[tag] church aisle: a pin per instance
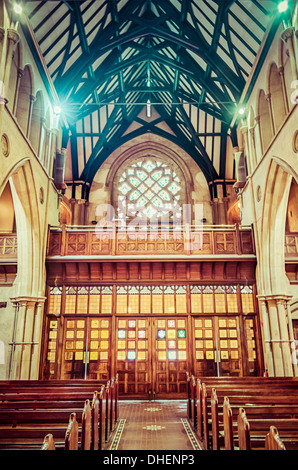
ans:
(153, 425)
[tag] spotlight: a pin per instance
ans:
(17, 8)
(283, 6)
(241, 111)
(57, 109)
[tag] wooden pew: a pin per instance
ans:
(189, 395)
(86, 433)
(215, 421)
(243, 430)
(273, 441)
(48, 443)
(52, 406)
(269, 402)
(228, 425)
(72, 434)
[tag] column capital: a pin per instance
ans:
(13, 35)
(287, 33)
(27, 300)
(273, 297)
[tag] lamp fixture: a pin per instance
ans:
(18, 8)
(283, 6)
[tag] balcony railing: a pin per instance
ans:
(8, 245)
(118, 241)
(291, 244)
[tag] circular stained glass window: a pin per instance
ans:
(149, 187)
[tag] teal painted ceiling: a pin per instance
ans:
(176, 68)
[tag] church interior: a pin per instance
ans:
(149, 201)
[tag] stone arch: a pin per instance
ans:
(156, 150)
(273, 285)
(23, 107)
(30, 275)
(275, 201)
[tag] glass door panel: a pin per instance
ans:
(133, 337)
(86, 348)
(170, 355)
(205, 350)
(74, 351)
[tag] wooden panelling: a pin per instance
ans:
(92, 271)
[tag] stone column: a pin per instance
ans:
(268, 98)
(32, 99)
(36, 339)
(285, 337)
(16, 96)
(257, 121)
(269, 362)
(12, 39)
(275, 338)
(2, 55)
(288, 36)
(26, 341)
(244, 131)
(284, 89)
(276, 335)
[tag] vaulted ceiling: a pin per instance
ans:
(176, 68)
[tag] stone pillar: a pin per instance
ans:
(16, 96)
(285, 336)
(244, 131)
(78, 211)
(288, 36)
(32, 99)
(36, 339)
(268, 98)
(276, 336)
(26, 341)
(284, 89)
(12, 39)
(252, 146)
(257, 121)
(269, 362)
(2, 55)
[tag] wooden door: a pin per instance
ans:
(86, 348)
(134, 355)
(170, 355)
(152, 355)
(217, 346)
(205, 348)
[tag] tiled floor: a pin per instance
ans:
(153, 425)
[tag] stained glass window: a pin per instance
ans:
(153, 187)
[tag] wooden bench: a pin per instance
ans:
(48, 443)
(23, 416)
(269, 403)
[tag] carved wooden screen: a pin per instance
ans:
(83, 325)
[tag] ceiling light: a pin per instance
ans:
(57, 109)
(241, 111)
(283, 6)
(17, 8)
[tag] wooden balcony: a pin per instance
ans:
(291, 245)
(8, 246)
(90, 241)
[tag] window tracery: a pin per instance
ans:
(150, 186)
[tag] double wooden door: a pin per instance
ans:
(152, 355)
